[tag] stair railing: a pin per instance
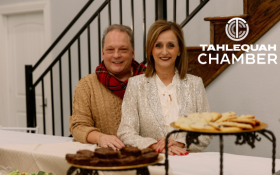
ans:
(160, 13)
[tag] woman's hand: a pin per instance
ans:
(112, 141)
(175, 150)
(161, 144)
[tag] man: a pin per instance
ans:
(98, 97)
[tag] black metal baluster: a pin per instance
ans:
(71, 42)
(43, 106)
(120, 11)
(61, 98)
(99, 42)
(30, 97)
(194, 12)
(109, 12)
(53, 127)
(174, 10)
(156, 10)
(221, 154)
(132, 16)
(144, 31)
(63, 33)
(161, 9)
(79, 58)
(187, 8)
(89, 54)
(70, 80)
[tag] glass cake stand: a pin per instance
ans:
(242, 137)
(141, 169)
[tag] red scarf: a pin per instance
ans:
(112, 83)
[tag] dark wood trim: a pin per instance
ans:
(191, 48)
(225, 18)
(245, 6)
(212, 33)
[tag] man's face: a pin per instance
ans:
(118, 53)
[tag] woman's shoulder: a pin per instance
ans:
(138, 78)
(192, 78)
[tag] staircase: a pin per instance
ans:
(260, 15)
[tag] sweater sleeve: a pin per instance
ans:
(82, 119)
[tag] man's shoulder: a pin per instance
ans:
(88, 81)
(89, 78)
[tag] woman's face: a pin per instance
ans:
(165, 50)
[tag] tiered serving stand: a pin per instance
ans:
(242, 137)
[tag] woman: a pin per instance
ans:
(156, 99)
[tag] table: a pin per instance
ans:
(35, 152)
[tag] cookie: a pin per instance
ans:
(215, 116)
(226, 116)
(230, 129)
(244, 120)
(247, 116)
(215, 125)
(239, 125)
(202, 127)
(207, 116)
(257, 122)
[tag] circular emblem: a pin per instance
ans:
(237, 29)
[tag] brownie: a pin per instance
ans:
(70, 157)
(146, 150)
(131, 160)
(148, 157)
(130, 151)
(105, 162)
(94, 161)
(86, 152)
(107, 157)
(106, 153)
(80, 159)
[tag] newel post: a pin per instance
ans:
(30, 97)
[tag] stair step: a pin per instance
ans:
(225, 18)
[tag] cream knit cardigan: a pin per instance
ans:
(94, 108)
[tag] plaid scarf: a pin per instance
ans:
(112, 83)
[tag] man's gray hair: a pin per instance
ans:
(121, 28)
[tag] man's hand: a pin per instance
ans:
(110, 141)
(105, 140)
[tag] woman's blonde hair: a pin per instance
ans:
(155, 30)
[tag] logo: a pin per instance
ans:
(237, 29)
